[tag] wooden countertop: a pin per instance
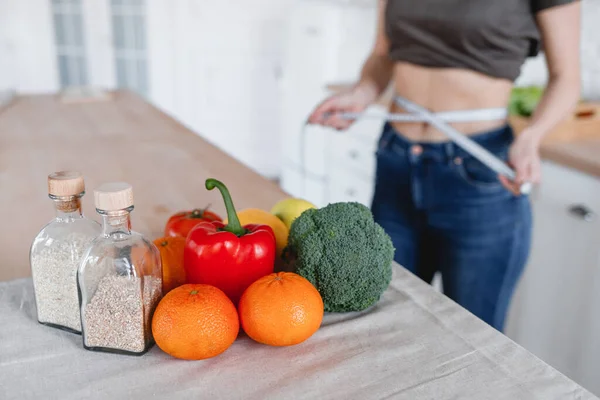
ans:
(582, 154)
(118, 138)
(574, 143)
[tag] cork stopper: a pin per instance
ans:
(113, 196)
(65, 183)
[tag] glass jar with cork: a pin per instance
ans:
(57, 251)
(119, 280)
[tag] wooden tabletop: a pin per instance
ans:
(117, 138)
(582, 155)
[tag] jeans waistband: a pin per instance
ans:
(495, 140)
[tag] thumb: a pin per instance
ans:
(519, 166)
(320, 111)
(521, 172)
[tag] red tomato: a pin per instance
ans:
(182, 223)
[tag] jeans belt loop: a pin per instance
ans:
(386, 138)
(449, 152)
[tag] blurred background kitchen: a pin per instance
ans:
(244, 74)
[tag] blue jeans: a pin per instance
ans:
(445, 211)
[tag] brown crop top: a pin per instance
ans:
(493, 37)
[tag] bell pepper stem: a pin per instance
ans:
(233, 222)
(199, 212)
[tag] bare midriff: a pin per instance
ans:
(447, 89)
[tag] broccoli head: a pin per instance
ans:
(344, 253)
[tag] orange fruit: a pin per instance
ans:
(281, 309)
(171, 256)
(258, 216)
(195, 322)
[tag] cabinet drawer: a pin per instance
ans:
(297, 184)
(355, 149)
(350, 153)
(310, 150)
(569, 188)
(344, 185)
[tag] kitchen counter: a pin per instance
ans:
(108, 137)
(582, 154)
(574, 143)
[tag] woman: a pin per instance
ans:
(444, 210)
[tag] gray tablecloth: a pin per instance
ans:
(414, 344)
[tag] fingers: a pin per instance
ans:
(514, 186)
(511, 186)
(525, 159)
(522, 172)
(319, 114)
(535, 172)
(337, 122)
(329, 113)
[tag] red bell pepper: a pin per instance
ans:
(230, 257)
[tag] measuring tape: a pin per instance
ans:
(441, 122)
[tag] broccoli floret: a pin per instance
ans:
(344, 253)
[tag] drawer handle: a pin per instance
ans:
(353, 154)
(312, 31)
(582, 212)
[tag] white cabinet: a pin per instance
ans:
(327, 42)
(27, 50)
(329, 166)
(555, 312)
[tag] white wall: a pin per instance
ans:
(216, 67)
(27, 54)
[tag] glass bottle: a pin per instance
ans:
(57, 251)
(119, 280)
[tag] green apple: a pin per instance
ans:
(289, 209)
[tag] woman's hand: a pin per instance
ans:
(524, 157)
(354, 100)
